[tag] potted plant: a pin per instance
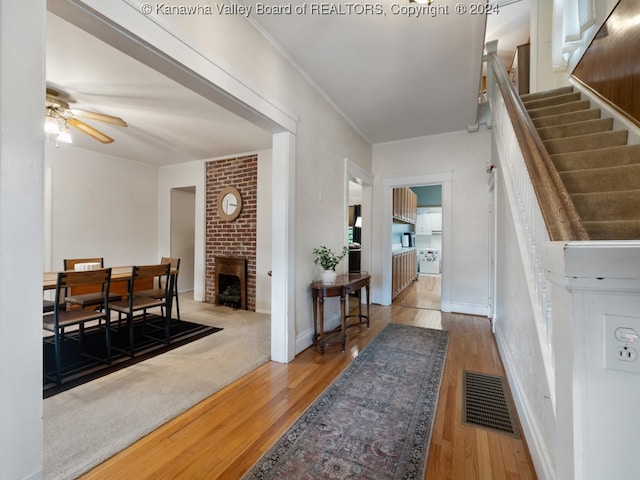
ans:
(328, 260)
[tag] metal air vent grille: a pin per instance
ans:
(486, 404)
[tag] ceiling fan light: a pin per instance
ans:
(65, 135)
(51, 125)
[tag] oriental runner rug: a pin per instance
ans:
(374, 421)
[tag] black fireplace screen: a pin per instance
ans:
(229, 291)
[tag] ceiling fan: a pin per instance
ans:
(59, 116)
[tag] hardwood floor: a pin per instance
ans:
(424, 293)
(224, 435)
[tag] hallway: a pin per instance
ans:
(224, 435)
(423, 293)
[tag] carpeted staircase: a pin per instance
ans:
(600, 170)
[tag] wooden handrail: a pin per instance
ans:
(558, 211)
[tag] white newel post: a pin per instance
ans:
(595, 285)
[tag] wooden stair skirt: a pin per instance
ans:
(600, 170)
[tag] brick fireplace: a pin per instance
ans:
(236, 238)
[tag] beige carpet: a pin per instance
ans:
(90, 423)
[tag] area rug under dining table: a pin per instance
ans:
(374, 421)
(81, 365)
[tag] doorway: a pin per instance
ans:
(358, 216)
(426, 234)
(182, 236)
(382, 293)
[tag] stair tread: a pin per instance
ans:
(564, 118)
(557, 109)
(611, 205)
(613, 230)
(592, 141)
(576, 128)
(546, 93)
(551, 101)
(619, 178)
(603, 157)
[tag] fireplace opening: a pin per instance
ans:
(231, 282)
(229, 291)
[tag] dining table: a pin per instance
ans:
(117, 273)
(120, 277)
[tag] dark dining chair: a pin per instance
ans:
(159, 292)
(95, 294)
(139, 303)
(59, 318)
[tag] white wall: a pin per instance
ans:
(101, 206)
(465, 156)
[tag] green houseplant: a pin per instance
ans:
(328, 260)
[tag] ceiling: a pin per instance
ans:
(393, 77)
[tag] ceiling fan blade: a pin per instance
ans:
(101, 117)
(89, 130)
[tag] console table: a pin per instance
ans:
(343, 286)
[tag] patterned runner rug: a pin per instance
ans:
(374, 421)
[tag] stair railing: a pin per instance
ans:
(560, 216)
(520, 152)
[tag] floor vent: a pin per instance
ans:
(486, 403)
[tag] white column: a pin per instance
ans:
(22, 88)
(283, 249)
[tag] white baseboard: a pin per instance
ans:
(467, 308)
(305, 339)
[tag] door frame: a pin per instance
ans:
(384, 294)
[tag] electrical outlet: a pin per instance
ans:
(621, 342)
(627, 354)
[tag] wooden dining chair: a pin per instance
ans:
(60, 318)
(141, 303)
(90, 295)
(159, 292)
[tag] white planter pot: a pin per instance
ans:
(329, 276)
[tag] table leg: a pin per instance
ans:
(321, 331)
(315, 320)
(343, 320)
(367, 296)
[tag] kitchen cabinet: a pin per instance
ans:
(404, 266)
(405, 261)
(405, 205)
(429, 221)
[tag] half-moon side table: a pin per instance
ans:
(343, 286)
